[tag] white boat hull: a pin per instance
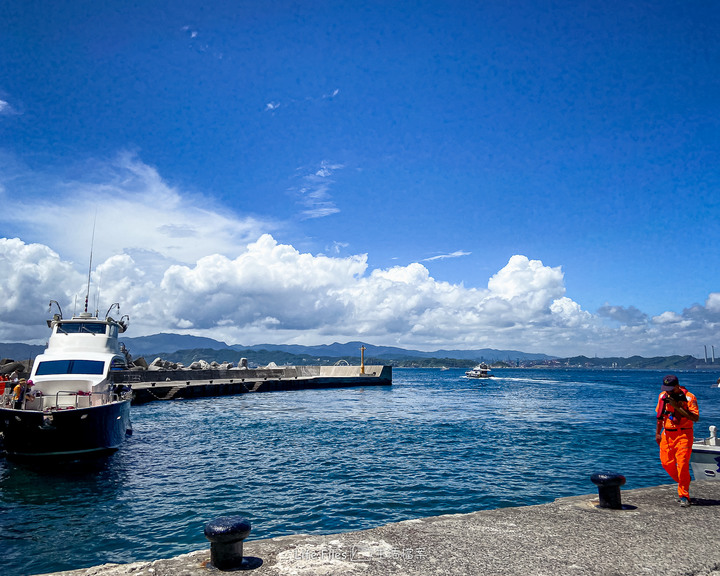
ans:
(72, 433)
(705, 462)
(705, 459)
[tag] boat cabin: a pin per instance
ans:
(75, 369)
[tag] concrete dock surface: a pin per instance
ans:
(651, 535)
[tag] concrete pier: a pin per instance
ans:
(152, 385)
(650, 535)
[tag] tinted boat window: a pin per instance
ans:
(50, 367)
(81, 327)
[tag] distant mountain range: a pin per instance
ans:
(19, 352)
(186, 349)
(165, 344)
(160, 343)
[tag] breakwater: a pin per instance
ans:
(154, 385)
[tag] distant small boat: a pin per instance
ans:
(480, 371)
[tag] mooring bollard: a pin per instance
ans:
(609, 489)
(226, 535)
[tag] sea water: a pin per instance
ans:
(325, 461)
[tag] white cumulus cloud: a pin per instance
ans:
(271, 292)
(29, 276)
(179, 262)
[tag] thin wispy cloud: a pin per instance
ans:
(273, 105)
(7, 109)
(169, 222)
(190, 31)
(456, 254)
(337, 247)
(314, 193)
(201, 46)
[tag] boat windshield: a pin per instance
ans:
(80, 327)
(50, 367)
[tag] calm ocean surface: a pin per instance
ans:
(337, 460)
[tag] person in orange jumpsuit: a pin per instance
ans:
(677, 411)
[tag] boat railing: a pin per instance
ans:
(7, 400)
(69, 399)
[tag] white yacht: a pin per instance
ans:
(480, 371)
(74, 408)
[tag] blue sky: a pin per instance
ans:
(540, 176)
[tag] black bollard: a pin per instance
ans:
(226, 535)
(609, 489)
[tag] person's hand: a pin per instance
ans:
(658, 437)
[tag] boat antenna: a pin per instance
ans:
(92, 244)
(97, 297)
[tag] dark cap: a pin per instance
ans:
(669, 383)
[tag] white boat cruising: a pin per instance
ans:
(73, 408)
(480, 371)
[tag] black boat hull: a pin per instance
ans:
(71, 433)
